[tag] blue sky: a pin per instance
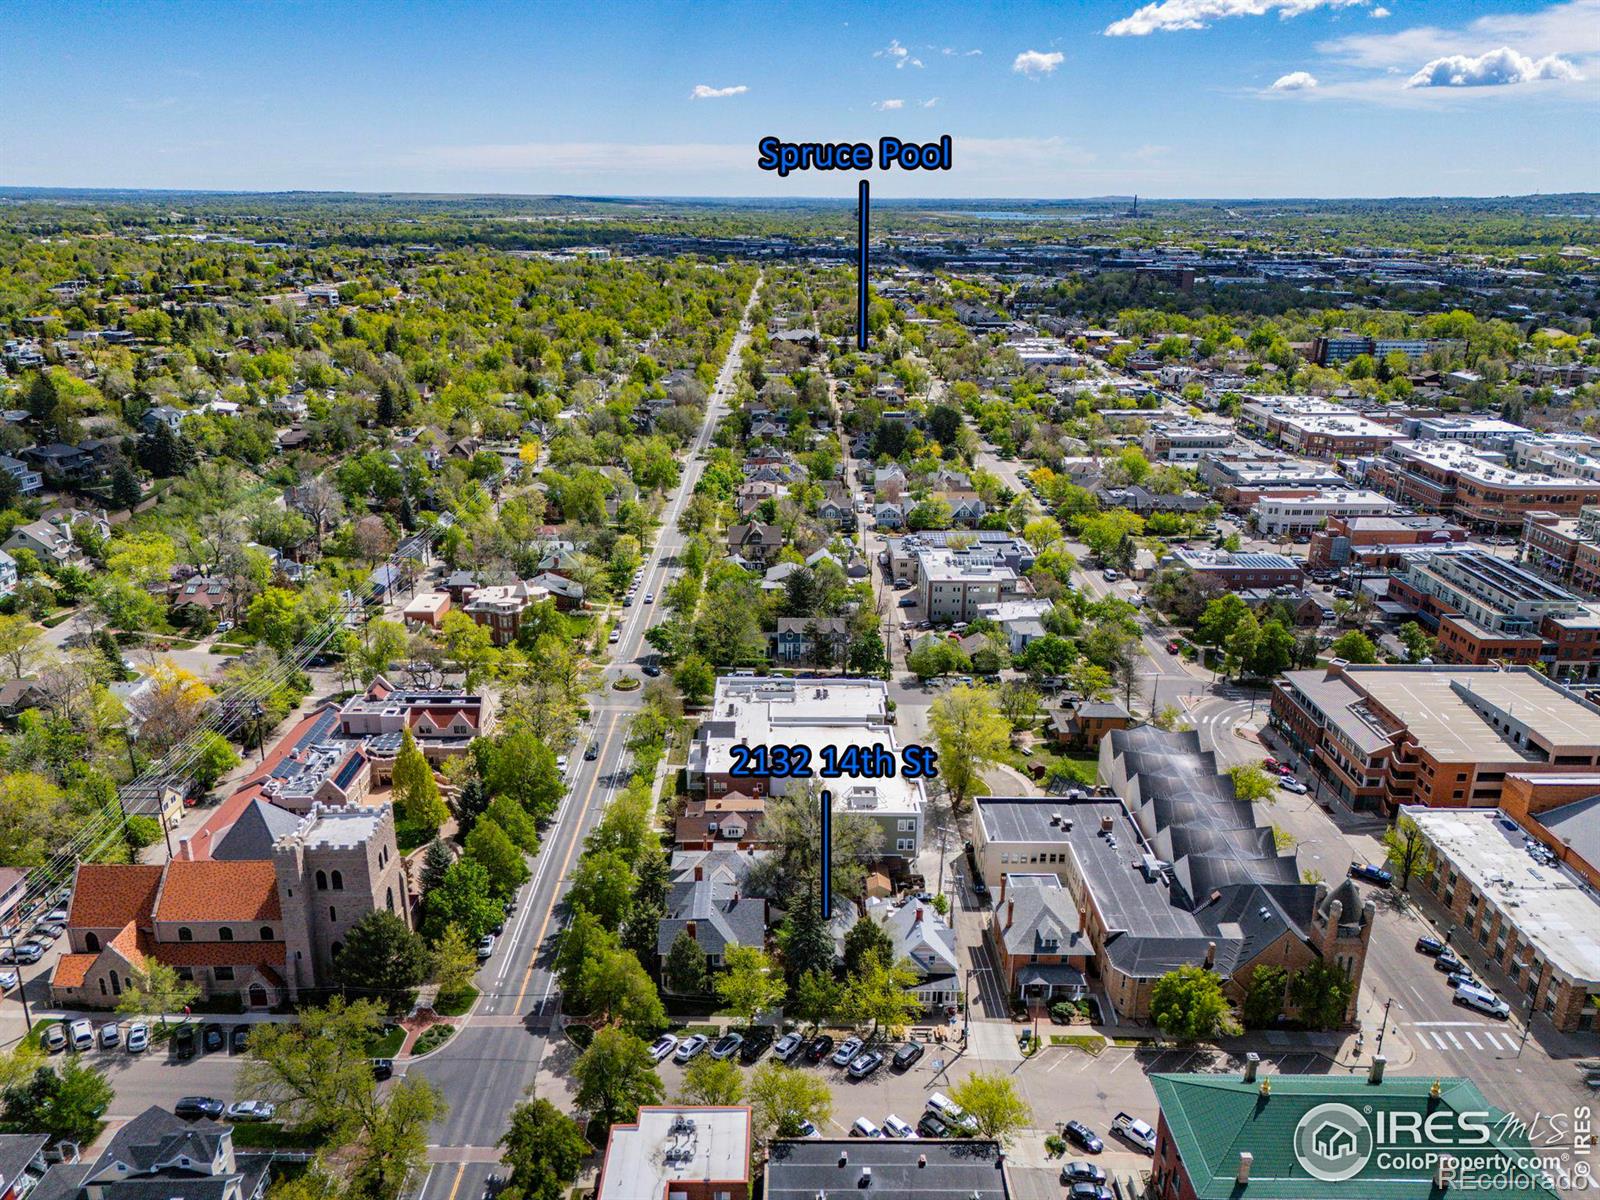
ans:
(1234, 98)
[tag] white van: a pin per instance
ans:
(865, 1128)
(1483, 1000)
(81, 1035)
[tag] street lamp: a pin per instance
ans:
(1383, 1027)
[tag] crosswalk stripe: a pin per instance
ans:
(1455, 1041)
(1476, 1045)
(1439, 1041)
(1495, 1041)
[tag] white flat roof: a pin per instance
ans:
(676, 1145)
(1548, 906)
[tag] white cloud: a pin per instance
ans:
(1379, 13)
(951, 51)
(889, 105)
(1294, 81)
(1034, 63)
(706, 92)
(1571, 30)
(930, 102)
(898, 54)
(1495, 68)
(1166, 15)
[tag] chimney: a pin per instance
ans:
(690, 927)
(1003, 879)
(1245, 1159)
(184, 853)
(922, 1160)
(1252, 1063)
(1211, 955)
(1375, 1072)
(1107, 824)
(1011, 906)
(699, 874)
(917, 920)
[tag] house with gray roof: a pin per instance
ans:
(157, 1156)
(1038, 936)
(922, 938)
(707, 899)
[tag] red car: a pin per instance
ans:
(1173, 647)
(1270, 764)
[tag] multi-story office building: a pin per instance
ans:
(1384, 736)
(1339, 348)
(814, 713)
(1489, 432)
(1185, 441)
(1373, 544)
(1315, 427)
(976, 545)
(1473, 485)
(1235, 572)
(1297, 512)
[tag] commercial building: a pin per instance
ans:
(1486, 609)
(1315, 427)
(1295, 512)
(1167, 868)
(1185, 441)
(1472, 485)
(1566, 549)
(1569, 455)
(1247, 1137)
(818, 714)
(1236, 572)
(1338, 348)
(957, 1169)
(1380, 737)
(1539, 923)
(902, 554)
(690, 1152)
(1490, 432)
(1370, 544)
(1238, 483)
(953, 585)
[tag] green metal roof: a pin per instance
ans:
(1212, 1118)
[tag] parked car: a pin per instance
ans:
(1430, 946)
(1483, 1000)
(1111, 575)
(8, 980)
(212, 1038)
(110, 1035)
(29, 952)
(614, 636)
(952, 1114)
(1081, 1136)
(1290, 784)
(240, 1038)
(727, 1045)
(1447, 963)
(1173, 647)
(138, 1038)
(1083, 1172)
(865, 1064)
(55, 1039)
(756, 1042)
(847, 1050)
(48, 930)
(808, 1130)
(863, 1128)
(193, 1108)
(662, 1046)
(902, 582)
(1376, 876)
(81, 1034)
(1462, 977)
(1089, 1191)
(183, 1041)
(485, 947)
(382, 1068)
(689, 1047)
(819, 1048)
(907, 1055)
(650, 669)
(895, 1127)
(251, 1110)
(57, 914)
(788, 1046)
(931, 1126)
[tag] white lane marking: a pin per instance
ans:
(1476, 1045)
(1454, 1040)
(1494, 1041)
(1439, 1041)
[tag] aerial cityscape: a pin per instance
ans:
(714, 602)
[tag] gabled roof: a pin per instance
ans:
(252, 835)
(109, 896)
(219, 891)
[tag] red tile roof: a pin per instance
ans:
(71, 970)
(109, 896)
(220, 954)
(219, 891)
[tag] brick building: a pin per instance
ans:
(1369, 544)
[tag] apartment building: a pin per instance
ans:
(1372, 544)
(1489, 432)
(501, 606)
(817, 714)
(953, 585)
(901, 554)
(1379, 737)
(1295, 512)
(1339, 348)
(1315, 427)
(1567, 454)
(1164, 868)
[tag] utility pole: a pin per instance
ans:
(22, 984)
(1383, 1027)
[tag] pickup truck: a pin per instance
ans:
(1133, 1130)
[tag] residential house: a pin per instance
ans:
(163, 414)
(22, 1163)
(706, 900)
(1083, 727)
(59, 461)
(426, 609)
(922, 937)
(29, 481)
(567, 593)
(797, 640)
(889, 514)
(1038, 936)
(501, 606)
(208, 593)
(159, 1154)
(708, 822)
(8, 574)
(756, 542)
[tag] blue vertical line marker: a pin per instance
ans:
(827, 854)
(863, 213)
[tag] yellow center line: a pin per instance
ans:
(555, 895)
(454, 1187)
